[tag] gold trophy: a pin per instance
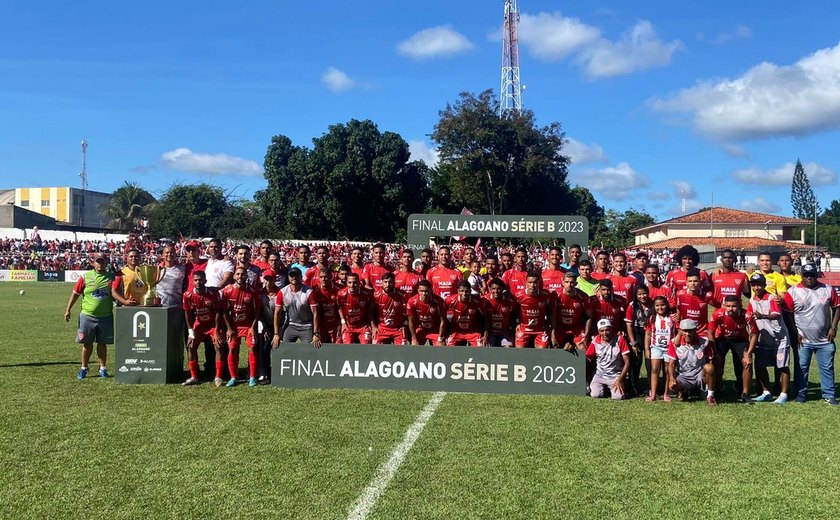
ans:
(150, 275)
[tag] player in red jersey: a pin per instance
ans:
(241, 315)
(312, 278)
(688, 257)
(254, 273)
(406, 278)
(193, 261)
(341, 278)
(462, 313)
(732, 328)
(691, 303)
(602, 266)
(656, 287)
(354, 310)
(610, 306)
(499, 310)
(572, 315)
(444, 277)
(201, 313)
(425, 263)
(425, 316)
(623, 283)
(325, 297)
(516, 277)
(262, 262)
(640, 261)
(535, 307)
(727, 280)
(372, 274)
(388, 320)
(506, 260)
(357, 261)
(552, 276)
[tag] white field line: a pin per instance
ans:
(364, 504)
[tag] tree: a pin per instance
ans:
(194, 210)
(616, 230)
(802, 197)
(356, 182)
(499, 165)
(588, 207)
(126, 206)
(831, 215)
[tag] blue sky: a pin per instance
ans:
(713, 98)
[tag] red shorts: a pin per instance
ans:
(331, 333)
(360, 335)
(424, 336)
(386, 335)
(473, 339)
(242, 332)
(524, 339)
(202, 334)
(571, 337)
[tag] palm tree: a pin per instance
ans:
(126, 206)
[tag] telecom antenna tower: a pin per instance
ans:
(83, 175)
(511, 91)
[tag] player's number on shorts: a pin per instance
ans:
(555, 375)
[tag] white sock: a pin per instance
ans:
(783, 394)
(766, 392)
(710, 393)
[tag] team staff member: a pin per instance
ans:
(690, 364)
(812, 303)
(773, 340)
(218, 268)
(607, 362)
(170, 288)
(98, 289)
(296, 313)
(132, 286)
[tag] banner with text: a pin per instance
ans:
(73, 276)
(426, 368)
(21, 275)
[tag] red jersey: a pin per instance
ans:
(262, 264)
(662, 290)
(727, 284)
(572, 310)
(724, 326)
(389, 308)
(614, 309)
(426, 315)
(406, 281)
(515, 280)
(463, 316)
(355, 307)
(599, 275)
(676, 281)
(552, 280)
(204, 307)
(372, 274)
(358, 270)
(242, 305)
(691, 306)
(444, 280)
(499, 312)
(534, 311)
(190, 270)
(623, 285)
(662, 329)
(325, 299)
(312, 278)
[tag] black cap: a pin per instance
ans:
(758, 279)
(294, 271)
(809, 270)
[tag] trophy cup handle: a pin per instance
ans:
(161, 272)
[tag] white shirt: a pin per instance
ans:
(216, 269)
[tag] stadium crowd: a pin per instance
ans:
(623, 312)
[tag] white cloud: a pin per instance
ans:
(760, 205)
(738, 32)
(185, 160)
(434, 42)
(552, 36)
(614, 182)
(818, 175)
(423, 151)
(337, 81)
(637, 49)
(582, 153)
(684, 189)
(735, 151)
(768, 100)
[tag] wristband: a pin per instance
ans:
(191, 333)
(343, 321)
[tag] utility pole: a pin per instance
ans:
(511, 91)
(83, 175)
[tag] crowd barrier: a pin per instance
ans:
(31, 275)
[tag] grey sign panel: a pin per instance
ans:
(149, 344)
(426, 368)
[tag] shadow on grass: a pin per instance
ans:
(42, 364)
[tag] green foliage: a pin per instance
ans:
(831, 215)
(498, 165)
(126, 206)
(588, 207)
(828, 235)
(802, 197)
(356, 182)
(194, 210)
(615, 233)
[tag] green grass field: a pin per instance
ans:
(95, 449)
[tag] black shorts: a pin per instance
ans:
(737, 346)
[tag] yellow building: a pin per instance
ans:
(65, 204)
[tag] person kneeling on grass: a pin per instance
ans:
(690, 363)
(607, 362)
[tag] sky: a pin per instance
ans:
(710, 102)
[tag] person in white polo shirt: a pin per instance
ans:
(607, 362)
(690, 364)
(816, 311)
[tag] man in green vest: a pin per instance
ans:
(98, 289)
